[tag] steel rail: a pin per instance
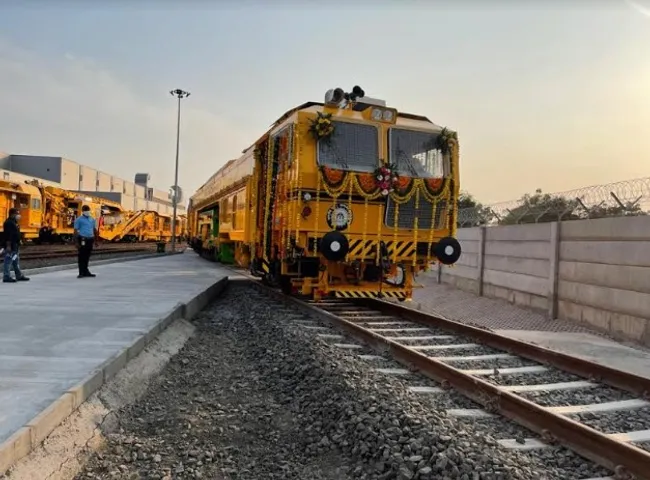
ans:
(596, 446)
(584, 368)
(71, 253)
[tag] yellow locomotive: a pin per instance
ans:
(346, 198)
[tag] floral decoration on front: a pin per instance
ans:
(387, 179)
(322, 127)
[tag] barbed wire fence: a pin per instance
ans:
(626, 198)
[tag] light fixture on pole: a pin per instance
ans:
(180, 94)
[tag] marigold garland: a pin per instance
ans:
(267, 209)
(366, 183)
(434, 195)
(415, 226)
(403, 185)
(336, 182)
(434, 208)
(334, 178)
(315, 220)
(362, 188)
(335, 190)
(298, 177)
(365, 226)
(395, 227)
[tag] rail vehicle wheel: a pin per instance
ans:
(285, 284)
(447, 250)
(255, 268)
(269, 279)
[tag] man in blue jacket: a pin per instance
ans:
(85, 230)
(11, 230)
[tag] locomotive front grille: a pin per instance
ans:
(407, 214)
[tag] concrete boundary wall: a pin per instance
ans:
(593, 272)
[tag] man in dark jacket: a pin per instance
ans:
(11, 230)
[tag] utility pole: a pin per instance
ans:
(180, 94)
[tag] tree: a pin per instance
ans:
(627, 209)
(471, 213)
(542, 207)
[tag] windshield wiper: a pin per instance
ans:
(401, 154)
(338, 158)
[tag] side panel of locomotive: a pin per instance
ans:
(219, 212)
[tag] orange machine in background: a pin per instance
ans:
(48, 214)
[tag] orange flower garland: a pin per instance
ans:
(333, 177)
(367, 183)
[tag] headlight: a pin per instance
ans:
(379, 114)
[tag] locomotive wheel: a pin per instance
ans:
(285, 284)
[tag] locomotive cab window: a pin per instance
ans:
(284, 142)
(415, 154)
(352, 146)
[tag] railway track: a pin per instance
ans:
(476, 375)
(42, 253)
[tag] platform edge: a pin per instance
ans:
(27, 438)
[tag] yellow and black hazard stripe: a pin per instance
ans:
(368, 249)
(369, 294)
(361, 249)
(404, 249)
(265, 266)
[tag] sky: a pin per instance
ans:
(543, 94)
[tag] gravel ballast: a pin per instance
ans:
(254, 396)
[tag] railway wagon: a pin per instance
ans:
(48, 214)
(346, 198)
(28, 200)
(61, 208)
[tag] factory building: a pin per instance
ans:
(70, 175)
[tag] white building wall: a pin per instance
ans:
(103, 182)
(70, 175)
(87, 179)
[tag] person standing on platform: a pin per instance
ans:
(86, 233)
(11, 245)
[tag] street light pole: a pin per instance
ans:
(180, 94)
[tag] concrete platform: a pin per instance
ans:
(530, 326)
(590, 347)
(60, 333)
